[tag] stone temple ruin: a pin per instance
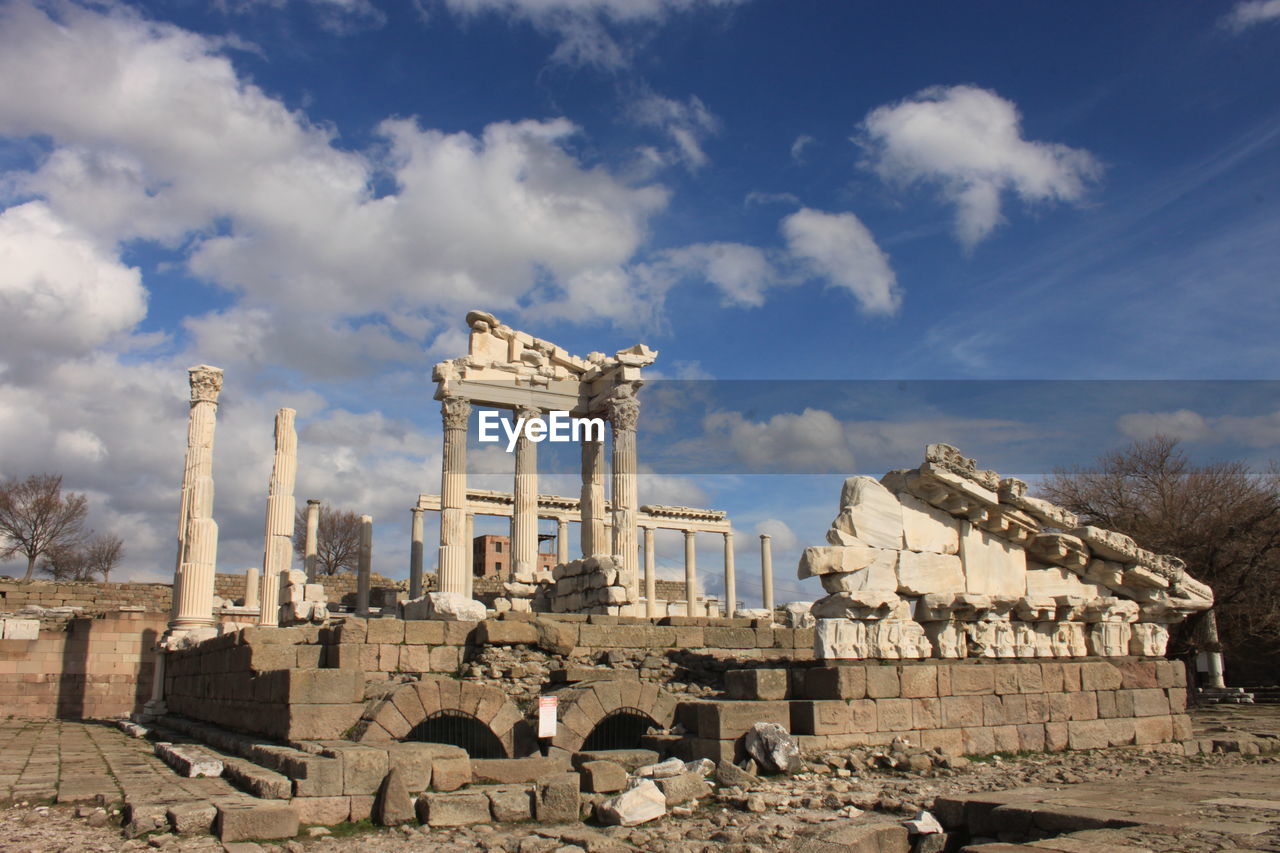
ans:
(961, 617)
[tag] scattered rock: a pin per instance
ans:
(642, 803)
(773, 747)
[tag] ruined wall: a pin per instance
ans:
(81, 667)
(92, 598)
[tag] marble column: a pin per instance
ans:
(592, 506)
(251, 587)
(311, 548)
(453, 497)
(766, 570)
(624, 412)
(690, 573)
(415, 553)
(471, 555)
(193, 579)
(730, 578)
(562, 540)
(650, 576)
(524, 521)
(277, 552)
(365, 566)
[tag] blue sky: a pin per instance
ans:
(312, 194)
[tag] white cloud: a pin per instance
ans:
(968, 141)
(813, 441)
(741, 273)
(840, 249)
(60, 291)
(1250, 12)
(1191, 426)
(802, 142)
(687, 124)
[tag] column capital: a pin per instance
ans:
(728, 534)
(417, 510)
(623, 408)
(455, 411)
(206, 383)
(527, 412)
(765, 536)
(689, 534)
(314, 502)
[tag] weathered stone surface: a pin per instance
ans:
(728, 720)
(876, 563)
(728, 774)
(869, 513)
(928, 529)
(864, 838)
(323, 811)
(189, 761)
(683, 788)
(450, 774)
(505, 771)
(239, 822)
(452, 809)
(992, 566)
(923, 573)
(394, 806)
(602, 777)
(556, 798)
(629, 759)
(445, 607)
(511, 803)
(191, 818)
(414, 760)
(773, 747)
(662, 770)
(643, 803)
(765, 684)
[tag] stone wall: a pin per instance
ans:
(81, 668)
(92, 598)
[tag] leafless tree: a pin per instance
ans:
(102, 554)
(36, 517)
(337, 540)
(1223, 519)
(84, 561)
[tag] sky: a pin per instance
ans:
(1035, 231)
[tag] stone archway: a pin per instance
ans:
(584, 706)
(397, 714)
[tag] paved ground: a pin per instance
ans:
(54, 772)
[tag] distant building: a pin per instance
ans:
(492, 555)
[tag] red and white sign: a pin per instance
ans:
(547, 716)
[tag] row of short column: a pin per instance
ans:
(691, 572)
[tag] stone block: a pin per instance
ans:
(453, 809)
(510, 803)
(1037, 708)
(893, 715)
(21, 629)
(1071, 677)
(191, 818)
(385, 631)
(863, 565)
(1139, 673)
(992, 566)
(1031, 737)
(1082, 706)
(729, 638)
(1056, 736)
(421, 632)
(760, 684)
(927, 528)
(507, 771)
(1177, 699)
(504, 633)
(1121, 731)
(1152, 729)
(361, 807)
(1030, 678)
(242, 822)
(993, 711)
(322, 811)
(1099, 675)
(1051, 677)
(973, 680)
(962, 711)
(628, 759)
(1181, 726)
(450, 774)
(1006, 738)
(716, 750)
(393, 806)
(869, 513)
(919, 682)
(1015, 710)
(729, 720)
(683, 788)
(1006, 678)
(835, 682)
(950, 741)
(1106, 704)
(363, 768)
(1151, 702)
(923, 573)
(323, 687)
(865, 838)
(1088, 734)
(556, 798)
(602, 777)
(415, 761)
(979, 740)
(415, 658)
(926, 713)
(883, 683)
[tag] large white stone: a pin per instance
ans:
(21, 629)
(862, 604)
(845, 559)
(882, 574)
(840, 639)
(642, 803)
(927, 528)
(922, 573)
(1108, 544)
(991, 565)
(870, 513)
(1045, 580)
(444, 606)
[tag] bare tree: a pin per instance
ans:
(83, 561)
(65, 563)
(102, 554)
(35, 517)
(1223, 519)
(337, 540)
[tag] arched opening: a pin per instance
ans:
(459, 728)
(620, 729)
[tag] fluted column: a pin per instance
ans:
(592, 506)
(766, 569)
(311, 548)
(471, 555)
(650, 576)
(562, 540)
(415, 553)
(730, 579)
(193, 577)
(453, 496)
(277, 552)
(624, 412)
(690, 573)
(365, 566)
(524, 521)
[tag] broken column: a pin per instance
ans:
(365, 565)
(415, 554)
(562, 540)
(311, 546)
(456, 412)
(277, 552)
(592, 504)
(251, 587)
(193, 580)
(766, 570)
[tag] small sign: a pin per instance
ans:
(547, 716)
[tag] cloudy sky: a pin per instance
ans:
(975, 201)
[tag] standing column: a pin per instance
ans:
(453, 497)
(766, 570)
(562, 540)
(415, 553)
(311, 550)
(650, 577)
(365, 566)
(730, 578)
(471, 555)
(524, 522)
(624, 411)
(592, 505)
(197, 531)
(251, 587)
(690, 573)
(277, 552)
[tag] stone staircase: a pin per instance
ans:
(1223, 696)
